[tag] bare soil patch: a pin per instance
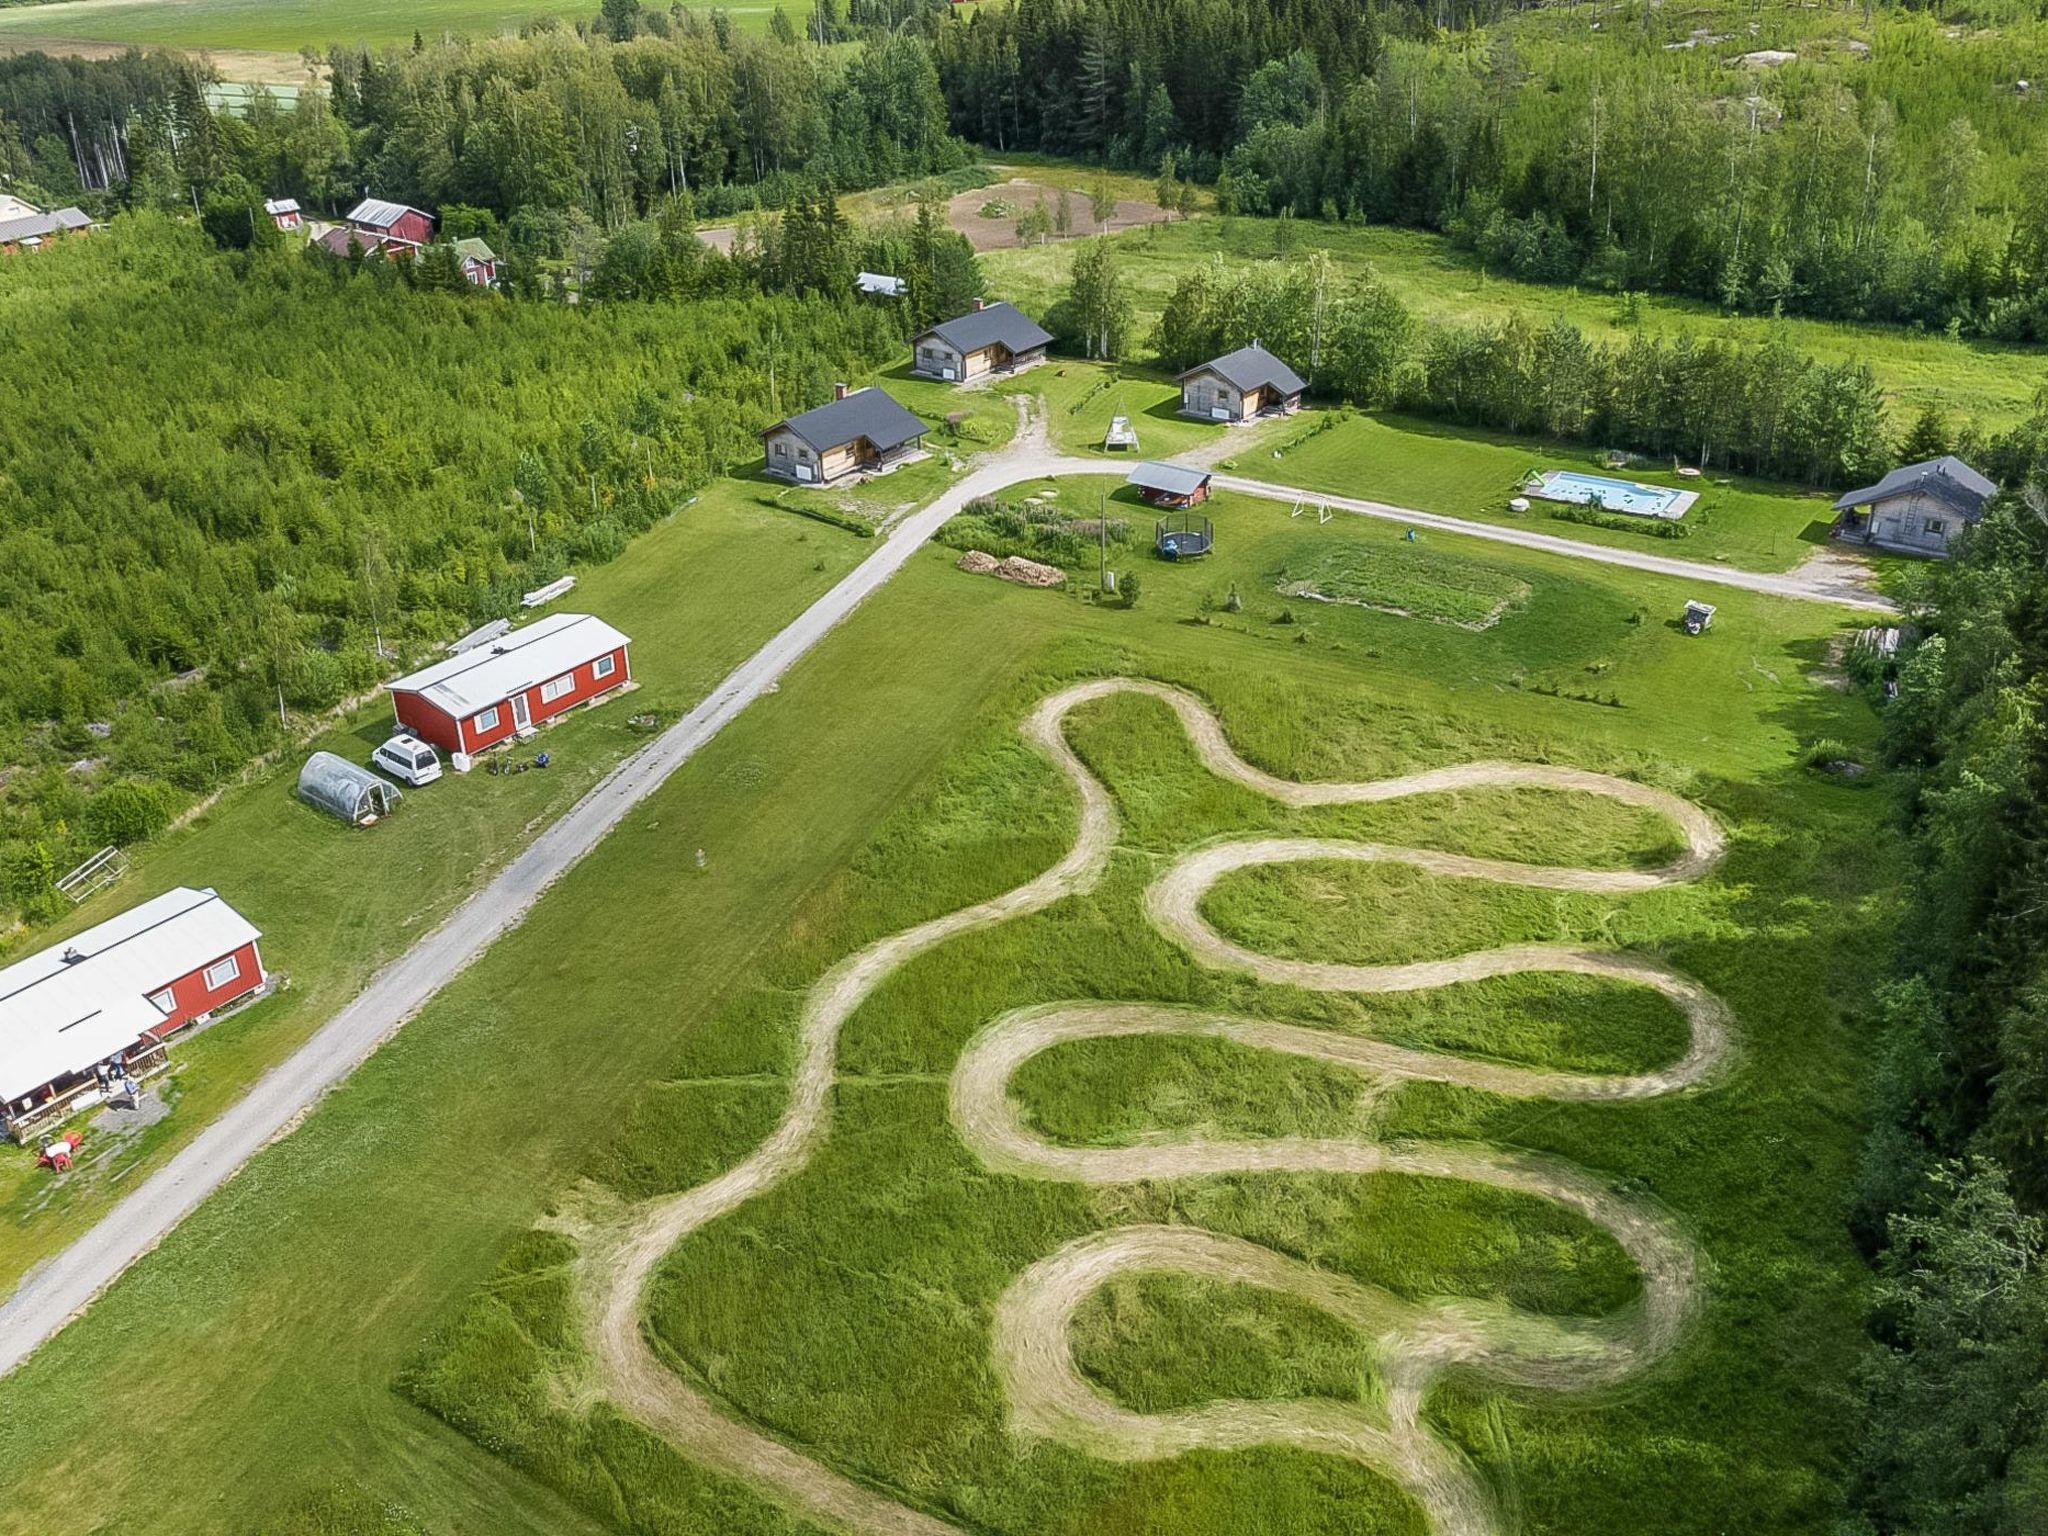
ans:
(1020, 193)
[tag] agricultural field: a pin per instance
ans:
(336, 903)
(261, 39)
(397, 1283)
(1982, 381)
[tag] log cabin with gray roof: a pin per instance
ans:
(1239, 386)
(989, 339)
(1917, 508)
(863, 431)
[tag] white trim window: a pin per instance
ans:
(555, 687)
(604, 666)
(166, 1002)
(221, 972)
(485, 720)
(1936, 525)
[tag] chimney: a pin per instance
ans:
(1255, 341)
(838, 391)
(981, 303)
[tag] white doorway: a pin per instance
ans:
(521, 719)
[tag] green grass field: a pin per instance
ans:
(283, 28)
(1988, 383)
(636, 1030)
(1422, 464)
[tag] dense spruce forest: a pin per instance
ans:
(206, 515)
(1954, 1197)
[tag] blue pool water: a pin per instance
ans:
(1614, 495)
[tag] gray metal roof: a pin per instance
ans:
(1253, 367)
(1172, 479)
(880, 282)
(871, 413)
(276, 205)
(35, 225)
(1947, 479)
(998, 324)
(378, 214)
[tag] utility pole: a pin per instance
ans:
(1102, 525)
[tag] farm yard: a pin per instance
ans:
(853, 1308)
(336, 904)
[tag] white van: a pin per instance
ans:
(406, 757)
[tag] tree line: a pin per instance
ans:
(1764, 409)
(1952, 1399)
(529, 127)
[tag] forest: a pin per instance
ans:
(1897, 175)
(1954, 1183)
(1903, 178)
(204, 542)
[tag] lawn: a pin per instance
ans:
(1427, 465)
(1984, 381)
(1467, 473)
(635, 1033)
(284, 27)
(697, 593)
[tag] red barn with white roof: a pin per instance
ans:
(392, 221)
(113, 993)
(505, 687)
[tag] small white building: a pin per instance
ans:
(1917, 508)
(879, 285)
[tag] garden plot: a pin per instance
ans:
(1408, 582)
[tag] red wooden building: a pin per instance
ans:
(507, 686)
(392, 222)
(107, 998)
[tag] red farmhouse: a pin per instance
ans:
(505, 687)
(393, 222)
(106, 998)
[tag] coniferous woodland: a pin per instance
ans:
(1954, 1187)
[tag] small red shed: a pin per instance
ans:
(393, 221)
(505, 687)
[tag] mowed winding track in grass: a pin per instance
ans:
(1414, 1343)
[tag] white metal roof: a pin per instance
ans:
(490, 674)
(275, 205)
(61, 1015)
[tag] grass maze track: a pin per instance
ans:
(1414, 1343)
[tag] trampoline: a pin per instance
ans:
(1183, 538)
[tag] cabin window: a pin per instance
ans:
(166, 1003)
(781, 449)
(1936, 525)
(604, 666)
(555, 687)
(486, 720)
(222, 972)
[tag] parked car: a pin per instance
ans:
(407, 757)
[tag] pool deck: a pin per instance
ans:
(1680, 503)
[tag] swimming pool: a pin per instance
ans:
(1614, 495)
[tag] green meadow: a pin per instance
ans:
(375, 1306)
(1988, 383)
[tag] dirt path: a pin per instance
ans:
(1033, 1352)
